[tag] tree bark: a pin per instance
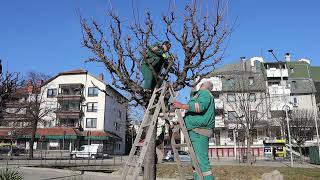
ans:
(150, 159)
(300, 151)
(249, 160)
(33, 134)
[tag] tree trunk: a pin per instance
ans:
(150, 159)
(248, 148)
(300, 151)
(33, 134)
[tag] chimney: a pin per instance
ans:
(29, 87)
(287, 57)
(243, 61)
(101, 77)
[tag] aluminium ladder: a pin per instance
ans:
(149, 125)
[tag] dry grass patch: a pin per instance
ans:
(244, 172)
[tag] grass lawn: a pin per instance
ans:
(245, 172)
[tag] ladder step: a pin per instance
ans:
(179, 145)
(132, 164)
(157, 90)
(154, 106)
(140, 144)
(145, 125)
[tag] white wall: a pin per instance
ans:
(303, 101)
(115, 112)
(86, 80)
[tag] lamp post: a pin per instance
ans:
(286, 107)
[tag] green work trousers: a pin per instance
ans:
(149, 79)
(200, 146)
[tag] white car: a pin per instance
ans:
(184, 156)
(88, 151)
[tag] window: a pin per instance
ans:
(232, 116)
(231, 97)
(51, 93)
(250, 80)
(254, 133)
(119, 114)
(116, 126)
(92, 107)
(295, 100)
(230, 134)
(254, 115)
(91, 122)
(93, 91)
(252, 97)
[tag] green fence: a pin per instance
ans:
(314, 155)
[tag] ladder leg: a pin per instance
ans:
(177, 158)
(149, 121)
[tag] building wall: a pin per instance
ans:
(109, 110)
(87, 81)
(303, 101)
(115, 121)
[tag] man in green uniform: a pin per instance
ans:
(156, 58)
(199, 120)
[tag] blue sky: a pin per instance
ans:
(45, 36)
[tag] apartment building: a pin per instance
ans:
(274, 86)
(81, 109)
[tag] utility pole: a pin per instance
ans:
(313, 99)
(286, 106)
(289, 135)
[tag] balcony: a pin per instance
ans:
(63, 113)
(276, 90)
(70, 92)
(68, 123)
(219, 121)
(274, 72)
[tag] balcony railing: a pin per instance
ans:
(66, 97)
(273, 72)
(69, 113)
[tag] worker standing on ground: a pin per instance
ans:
(156, 59)
(199, 120)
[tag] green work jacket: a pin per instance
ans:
(201, 113)
(156, 58)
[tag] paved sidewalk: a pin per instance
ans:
(59, 174)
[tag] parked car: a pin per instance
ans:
(184, 156)
(88, 151)
(6, 149)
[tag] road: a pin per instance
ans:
(118, 161)
(53, 174)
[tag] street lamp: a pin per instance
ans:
(286, 108)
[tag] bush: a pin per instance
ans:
(10, 174)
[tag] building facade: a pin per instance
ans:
(268, 88)
(81, 109)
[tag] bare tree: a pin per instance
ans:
(34, 105)
(9, 82)
(246, 103)
(302, 126)
(199, 37)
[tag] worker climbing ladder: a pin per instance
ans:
(149, 125)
